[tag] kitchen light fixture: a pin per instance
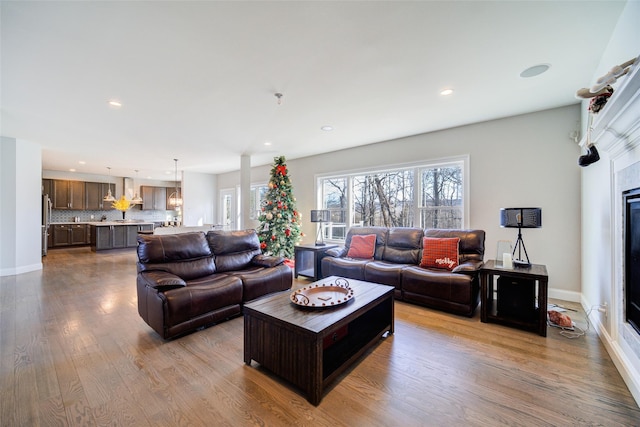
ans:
(109, 197)
(137, 200)
(174, 198)
(115, 104)
(446, 92)
(521, 218)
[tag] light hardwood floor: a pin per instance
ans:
(75, 352)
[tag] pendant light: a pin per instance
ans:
(174, 198)
(137, 200)
(109, 197)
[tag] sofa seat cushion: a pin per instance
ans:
(344, 267)
(259, 281)
(437, 283)
(201, 296)
(385, 273)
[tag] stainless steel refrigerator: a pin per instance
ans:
(46, 222)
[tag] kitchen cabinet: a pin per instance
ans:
(95, 192)
(47, 187)
(154, 198)
(68, 195)
(68, 234)
(105, 237)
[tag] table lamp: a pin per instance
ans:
(520, 218)
(321, 215)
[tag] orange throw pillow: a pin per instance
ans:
(440, 252)
(362, 246)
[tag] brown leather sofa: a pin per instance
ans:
(188, 281)
(396, 262)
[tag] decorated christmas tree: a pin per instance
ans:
(279, 228)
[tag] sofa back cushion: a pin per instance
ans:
(381, 238)
(233, 250)
(403, 245)
(471, 246)
(185, 255)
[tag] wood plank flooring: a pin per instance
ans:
(74, 352)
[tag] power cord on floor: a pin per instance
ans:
(574, 331)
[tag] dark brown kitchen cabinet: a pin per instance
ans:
(47, 187)
(68, 195)
(94, 195)
(114, 236)
(154, 198)
(69, 234)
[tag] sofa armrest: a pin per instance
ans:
(468, 267)
(267, 261)
(339, 252)
(161, 280)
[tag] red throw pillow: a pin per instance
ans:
(440, 252)
(362, 246)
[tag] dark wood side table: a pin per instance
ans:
(519, 299)
(308, 259)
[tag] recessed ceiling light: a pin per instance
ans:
(327, 128)
(446, 92)
(115, 104)
(82, 162)
(72, 170)
(536, 70)
(267, 143)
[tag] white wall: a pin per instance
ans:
(20, 207)
(199, 195)
(527, 160)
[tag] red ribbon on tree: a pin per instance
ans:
(281, 169)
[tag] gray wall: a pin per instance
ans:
(526, 160)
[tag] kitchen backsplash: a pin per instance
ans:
(112, 215)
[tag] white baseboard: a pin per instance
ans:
(20, 270)
(565, 295)
(626, 368)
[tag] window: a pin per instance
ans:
(425, 196)
(258, 193)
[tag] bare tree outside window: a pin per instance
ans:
(384, 199)
(441, 198)
(334, 195)
(426, 197)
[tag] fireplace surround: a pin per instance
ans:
(616, 133)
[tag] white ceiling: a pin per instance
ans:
(197, 79)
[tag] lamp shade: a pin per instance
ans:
(321, 215)
(521, 217)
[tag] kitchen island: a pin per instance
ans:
(107, 235)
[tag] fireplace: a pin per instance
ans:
(631, 203)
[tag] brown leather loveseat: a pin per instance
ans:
(396, 261)
(187, 281)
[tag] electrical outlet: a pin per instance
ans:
(603, 308)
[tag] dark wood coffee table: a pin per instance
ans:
(310, 347)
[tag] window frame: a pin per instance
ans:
(417, 167)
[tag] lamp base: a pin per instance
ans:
(521, 264)
(321, 244)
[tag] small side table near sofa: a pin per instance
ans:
(517, 297)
